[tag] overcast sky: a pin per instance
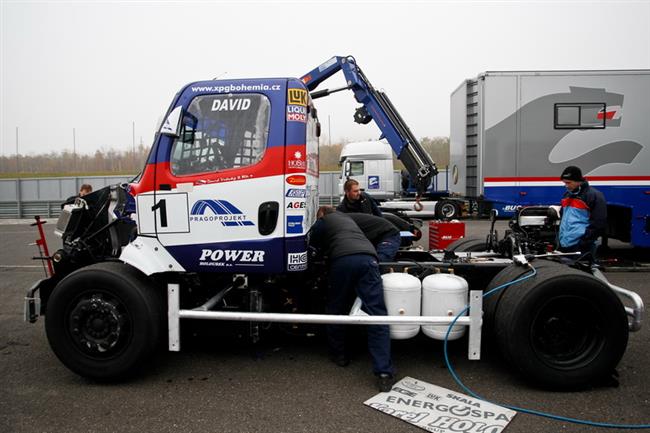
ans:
(99, 67)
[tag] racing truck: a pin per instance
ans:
(216, 227)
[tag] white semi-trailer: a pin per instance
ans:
(512, 134)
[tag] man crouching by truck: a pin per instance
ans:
(352, 267)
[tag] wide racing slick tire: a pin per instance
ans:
(447, 209)
(561, 329)
(491, 301)
(103, 321)
(472, 244)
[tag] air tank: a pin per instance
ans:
(402, 293)
(443, 295)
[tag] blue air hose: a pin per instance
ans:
(521, 409)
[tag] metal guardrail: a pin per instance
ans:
(25, 198)
(28, 197)
(29, 209)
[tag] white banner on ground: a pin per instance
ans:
(440, 410)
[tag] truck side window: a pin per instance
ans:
(221, 132)
(580, 116)
(356, 168)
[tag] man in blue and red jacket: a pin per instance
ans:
(584, 214)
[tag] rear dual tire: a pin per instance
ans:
(472, 244)
(561, 329)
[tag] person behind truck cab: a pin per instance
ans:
(584, 214)
(83, 190)
(356, 200)
(352, 267)
(381, 232)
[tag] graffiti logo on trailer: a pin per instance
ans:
(220, 211)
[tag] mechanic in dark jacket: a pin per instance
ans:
(584, 214)
(352, 267)
(381, 232)
(356, 200)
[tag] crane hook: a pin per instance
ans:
(417, 206)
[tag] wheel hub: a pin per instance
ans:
(96, 324)
(448, 210)
(564, 334)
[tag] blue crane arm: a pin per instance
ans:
(376, 106)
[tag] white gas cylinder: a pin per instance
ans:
(443, 295)
(402, 293)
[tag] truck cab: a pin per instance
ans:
(371, 164)
(231, 182)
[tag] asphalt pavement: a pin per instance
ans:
(222, 384)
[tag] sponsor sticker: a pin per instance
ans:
(294, 224)
(298, 109)
(436, 409)
(296, 179)
(373, 182)
(297, 261)
(237, 88)
(297, 161)
(228, 258)
(312, 164)
(295, 117)
(297, 97)
(218, 211)
(296, 193)
(296, 113)
(298, 204)
(234, 104)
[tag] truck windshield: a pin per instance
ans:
(221, 132)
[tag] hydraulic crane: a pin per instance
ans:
(378, 107)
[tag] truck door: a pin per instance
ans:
(301, 175)
(219, 189)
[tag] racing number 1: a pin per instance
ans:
(152, 213)
(162, 205)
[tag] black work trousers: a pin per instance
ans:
(359, 273)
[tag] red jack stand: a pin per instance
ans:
(44, 254)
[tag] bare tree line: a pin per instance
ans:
(114, 161)
(66, 162)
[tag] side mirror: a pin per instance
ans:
(494, 214)
(347, 169)
(317, 129)
(172, 124)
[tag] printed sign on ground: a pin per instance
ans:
(440, 410)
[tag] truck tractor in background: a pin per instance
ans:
(371, 164)
(216, 228)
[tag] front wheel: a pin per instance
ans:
(447, 209)
(562, 329)
(103, 321)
